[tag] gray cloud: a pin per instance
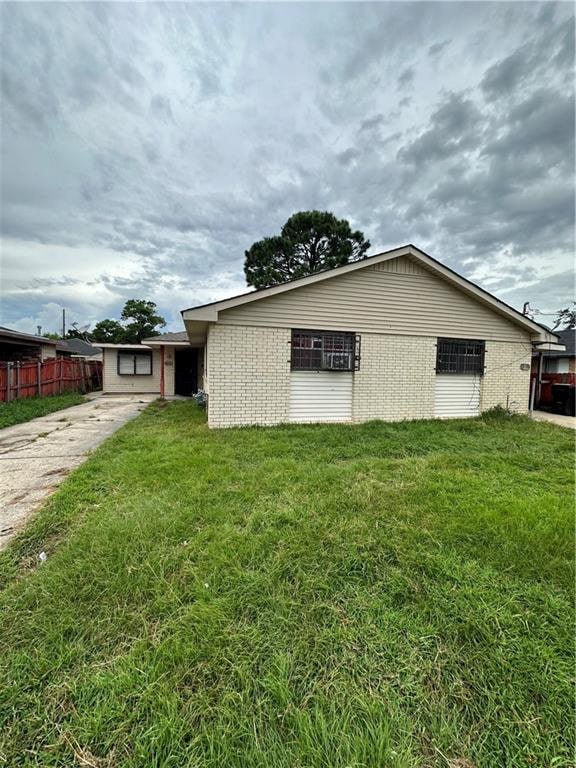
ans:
(436, 49)
(145, 147)
(454, 127)
(406, 78)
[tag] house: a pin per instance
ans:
(394, 336)
(554, 374)
(17, 346)
(78, 348)
(561, 361)
(167, 365)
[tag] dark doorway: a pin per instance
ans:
(186, 372)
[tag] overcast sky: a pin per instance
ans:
(146, 146)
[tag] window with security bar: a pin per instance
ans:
(460, 356)
(325, 351)
(135, 363)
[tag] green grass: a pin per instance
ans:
(299, 597)
(28, 408)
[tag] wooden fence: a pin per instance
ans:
(50, 377)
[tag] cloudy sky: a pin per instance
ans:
(146, 146)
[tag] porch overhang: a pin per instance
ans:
(548, 346)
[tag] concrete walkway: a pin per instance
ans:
(36, 456)
(555, 418)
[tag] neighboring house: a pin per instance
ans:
(394, 336)
(561, 361)
(166, 365)
(554, 374)
(79, 348)
(17, 346)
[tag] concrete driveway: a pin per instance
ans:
(555, 418)
(36, 456)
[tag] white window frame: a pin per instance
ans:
(136, 356)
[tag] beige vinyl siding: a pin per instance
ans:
(113, 383)
(394, 297)
(47, 351)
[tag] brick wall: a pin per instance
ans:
(248, 375)
(504, 383)
(396, 378)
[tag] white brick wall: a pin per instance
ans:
(504, 383)
(396, 378)
(248, 375)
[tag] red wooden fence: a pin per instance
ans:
(51, 377)
(548, 379)
(546, 382)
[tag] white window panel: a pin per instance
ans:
(125, 363)
(143, 364)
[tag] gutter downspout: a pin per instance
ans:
(162, 371)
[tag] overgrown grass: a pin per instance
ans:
(28, 408)
(299, 597)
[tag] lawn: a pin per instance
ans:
(27, 408)
(370, 596)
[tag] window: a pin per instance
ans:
(135, 363)
(556, 365)
(460, 356)
(325, 351)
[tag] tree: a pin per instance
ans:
(143, 319)
(310, 241)
(108, 332)
(566, 318)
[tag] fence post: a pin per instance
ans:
(60, 376)
(17, 379)
(8, 382)
(39, 377)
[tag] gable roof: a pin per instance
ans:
(79, 347)
(209, 312)
(178, 337)
(170, 336)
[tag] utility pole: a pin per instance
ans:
(63, 323)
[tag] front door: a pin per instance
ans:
(186, 372)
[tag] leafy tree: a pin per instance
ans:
(310, 241)
(566, 318)
(53, 336)
(143, 319)
(108, 332)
